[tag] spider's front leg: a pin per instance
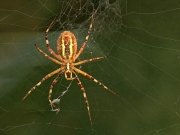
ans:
(95, 80)
(84, 95)
(50, 92)
(39, 83)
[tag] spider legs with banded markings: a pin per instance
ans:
(39, 83)
(96, 81)
(87, 37)
(89, 60)
(47, 42)
(47, 56)
(50, 91)
(66, 56)
(84, 95)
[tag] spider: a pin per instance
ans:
(66, 57)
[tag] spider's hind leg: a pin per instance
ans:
(87, 36)
(47, 41)
(47, 56)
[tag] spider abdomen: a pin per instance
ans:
(67, 45)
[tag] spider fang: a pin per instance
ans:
(68, 75)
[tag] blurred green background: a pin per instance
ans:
(141, 41)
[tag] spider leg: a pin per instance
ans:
(84, 95)
(39, 83)
(47, 42)
(89, 60)
(87, 37)
(96, 81)
(52, 59)
(51, 87)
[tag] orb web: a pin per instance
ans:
(141, 42)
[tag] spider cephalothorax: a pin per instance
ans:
(66, 57)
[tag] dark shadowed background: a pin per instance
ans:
(141, 40)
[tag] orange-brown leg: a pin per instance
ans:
(84, 95)
(47, 56)
(89, 60)
(50, 90)
(87, 37)
(47, 42)
(39, 83)
(96, 81)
